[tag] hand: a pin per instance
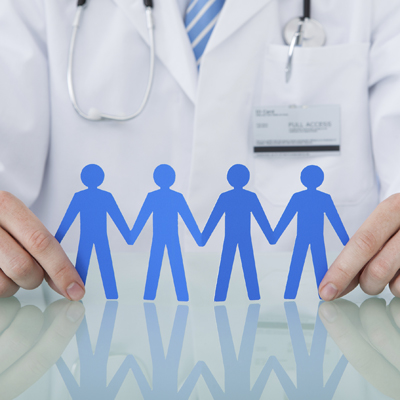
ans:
(371, 258)
(33, 341)
(29, 253)
(368, 339)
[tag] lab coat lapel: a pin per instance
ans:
(234, 15)
(172, 44)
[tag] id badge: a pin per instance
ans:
(297, 130)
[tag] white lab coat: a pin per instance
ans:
(200, 123)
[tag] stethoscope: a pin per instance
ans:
(93, 113)
(302, 31)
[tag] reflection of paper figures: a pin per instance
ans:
(237, 368)
(93, 205)
(165, 205)
(237, 205)
(309, 367)
(165, 368)
(310, 206)
(93, 367)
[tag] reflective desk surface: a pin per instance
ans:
(131, 349)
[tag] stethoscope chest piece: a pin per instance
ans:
(312, 32)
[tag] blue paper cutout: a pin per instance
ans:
(309, 367)
(93, 205)
(93, 367)
(237, 368)
(165, 368)
(237, 205)
(165, 205)
(310, 206)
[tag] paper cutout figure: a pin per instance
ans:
(237, 205)
(165, 205)
(237, 369)
(93, 367)
(309, 367)
(165, 368)
(310, 206)
(93, 205)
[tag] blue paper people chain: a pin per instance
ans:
(93, 205)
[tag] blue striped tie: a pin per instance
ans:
(200, 20)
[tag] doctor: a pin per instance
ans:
(199, 120)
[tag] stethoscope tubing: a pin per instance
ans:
(94, 114)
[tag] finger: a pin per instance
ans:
(20, 336)
(394, 284)
(382, 224)
(8, 310)
(352, 285)
(380, 330)
(7, 287)
(361, 355)
(26, 228)
(17, 264)
(382, 268)
(51, 283)
(34, 364)
(394, 308)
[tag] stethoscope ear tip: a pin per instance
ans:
(94, 114)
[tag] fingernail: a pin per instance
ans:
(75, 291)
(329, 292)
(329, 312)
(75, 312)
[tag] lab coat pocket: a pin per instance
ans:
(332, 75)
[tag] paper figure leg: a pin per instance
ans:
(106, 269)
(319, 260)
(225, 269)
(249, 269)
(153, 273)
(296, 268)
(83, 258)
(178, 271)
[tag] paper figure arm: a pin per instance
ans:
(119, 221)
(334, 379)
(139, 376)
(261, 382)
(212, 222)
(285, 381)
(189, 220)
(334, 219)
(286, 218)
(262, 220)
(69, 380)
(213, 386)
(187, 388)
(69, 217)
(119, 378)
(144, 215)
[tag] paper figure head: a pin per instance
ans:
(312, 177)
(238, 176)
(92, 176)
(164, 176)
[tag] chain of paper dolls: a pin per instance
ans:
(166, 205)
